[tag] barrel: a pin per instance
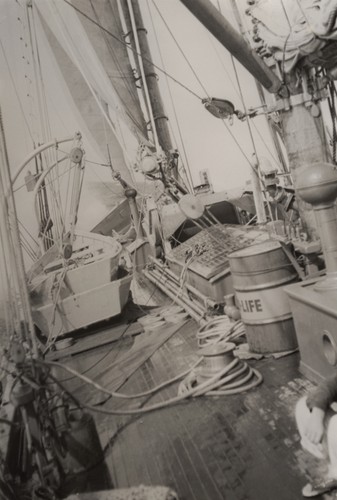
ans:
(259, 274)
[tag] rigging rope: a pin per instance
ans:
(123, 75)
(92, 90)
(135, 52)
(45, 129)
(238, 94)
(8, 213)
(180, 49)
(157, 67)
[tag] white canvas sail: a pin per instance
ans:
(103, 108)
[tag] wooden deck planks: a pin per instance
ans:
(242, 447)
(98, 339)
(112, 368)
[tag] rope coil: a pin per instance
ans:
(219, 329)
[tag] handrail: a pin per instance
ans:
(39, 150)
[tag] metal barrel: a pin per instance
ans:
(259, 274)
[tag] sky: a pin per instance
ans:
(201, 138)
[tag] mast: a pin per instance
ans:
(305, 141)
(158, 110)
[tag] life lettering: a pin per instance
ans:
(251, 305)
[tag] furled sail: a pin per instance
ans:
(294, 30)
(98, 74)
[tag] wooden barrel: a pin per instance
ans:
(259, 273)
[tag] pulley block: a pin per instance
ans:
(76, 155)
(220, 108)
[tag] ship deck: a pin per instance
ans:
(239, 447)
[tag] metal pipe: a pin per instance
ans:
(175, 288)
(172, 296)
(223, 31)
(37, 151)
(189, 287)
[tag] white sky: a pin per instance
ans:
(206, 141)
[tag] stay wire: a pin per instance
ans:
(16, 91)
(257, 169)
(180, 49)
(156, 66)
(127, 85)
(238, 94)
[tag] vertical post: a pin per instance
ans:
(130, 195)
(160, 118)
(141, 253)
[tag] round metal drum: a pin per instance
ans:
(259, 273)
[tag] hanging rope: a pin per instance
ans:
(161, 70)
(54, 200)
(127, 85)
(14, 250)
(180, 49)
(332, 109)
(92, 90)
(233, 85)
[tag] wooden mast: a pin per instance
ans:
(305, 142)
(158, 109)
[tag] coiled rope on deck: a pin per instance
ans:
(220, 384)
(219, 329)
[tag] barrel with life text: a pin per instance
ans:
(259, 274)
